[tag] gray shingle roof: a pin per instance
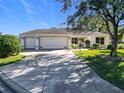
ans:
(90, 33)
(60, 31)
(47, 31)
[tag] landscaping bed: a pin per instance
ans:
(110, 70)
(10, 59)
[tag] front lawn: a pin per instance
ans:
(11, 59)
(111, 71)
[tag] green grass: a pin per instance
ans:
(123, 37)
(11, 59)
(111, 71)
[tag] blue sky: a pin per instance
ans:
(17, 16)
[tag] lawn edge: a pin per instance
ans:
(117, 88)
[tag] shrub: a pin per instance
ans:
(9, 45)
(87, 43)
(109, 46)
(74, 46)
(96, 46)
(120, 46)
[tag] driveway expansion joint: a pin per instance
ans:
(12, 84)
(45, 79)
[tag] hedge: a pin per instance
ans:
(9, 45)
(120, 46)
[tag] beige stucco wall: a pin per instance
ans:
(92, 38)
(107, 41)
(22, 42)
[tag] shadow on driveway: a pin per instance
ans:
(52, 73)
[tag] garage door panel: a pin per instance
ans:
(53, 42)
(30, 43)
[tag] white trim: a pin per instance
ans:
(36, 42)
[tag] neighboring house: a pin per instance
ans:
(59, 39)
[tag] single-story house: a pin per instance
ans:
(59, 38)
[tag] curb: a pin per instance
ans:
(12, 84)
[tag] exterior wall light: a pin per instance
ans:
(22, 37)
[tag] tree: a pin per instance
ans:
(90, 24)
(110, 11)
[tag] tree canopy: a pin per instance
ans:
(90, 24)
(111, 12)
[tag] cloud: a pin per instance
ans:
(27, 7)
(52, 12)
(43, 23)
(28, 10)
(9, 12)
(13, 17)
(6, 8)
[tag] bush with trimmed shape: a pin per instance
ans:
(96, 46)
(74, 46)
(109, 46)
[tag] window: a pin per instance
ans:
(81, 39)
(100, 40)
(75, 40)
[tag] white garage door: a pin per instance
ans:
(53, 42)
(30, 43)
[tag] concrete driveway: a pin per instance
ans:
(58, 71)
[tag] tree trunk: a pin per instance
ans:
(114, 41)
(113, 48)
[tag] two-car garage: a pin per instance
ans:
(53, 38)
(46, 42)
